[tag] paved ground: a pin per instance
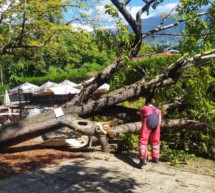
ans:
(106, 173)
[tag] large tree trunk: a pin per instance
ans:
(38, 125)
(166, 124)
(35, 126)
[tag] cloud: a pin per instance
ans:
(78, 26)
(4, 6)
(134, 9)
(98, 14)
(101, 16)
(160, 9)
(166, 8)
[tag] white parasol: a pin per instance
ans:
(68, 83)
(57, 89)
(25, 88)
(44, 89)
(64, 89)
(102, 89)
(105, 86)
(7, 101)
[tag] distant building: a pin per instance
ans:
(174, 51)
(165, 53)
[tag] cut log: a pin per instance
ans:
(29, 128)
(72, 142)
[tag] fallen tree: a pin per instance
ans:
(35, 126)
(78, 110)
(27, 129)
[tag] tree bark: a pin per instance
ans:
(166, 124)
(32, 127)
(27, 129)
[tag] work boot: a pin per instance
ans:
(155, 160)
(143, 162)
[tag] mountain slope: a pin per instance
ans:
(152, 22)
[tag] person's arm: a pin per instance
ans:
(142, 112)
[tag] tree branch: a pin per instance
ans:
(122, 9)
(140, 88)
(8, 48)
(183, 35)
(143, 9)
(127, 2)
(102, 77)
(118, 112)
(160, 28)
(23, 25)
(165, 124)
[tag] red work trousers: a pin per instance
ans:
(154, 139)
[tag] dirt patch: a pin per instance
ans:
(200, 166)
(194, 165)
(28, 156)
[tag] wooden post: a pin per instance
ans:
(2, 83)
(20, 104)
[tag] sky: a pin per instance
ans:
(97, 12)
(166, 6)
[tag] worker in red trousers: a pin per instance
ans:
(150, 131)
